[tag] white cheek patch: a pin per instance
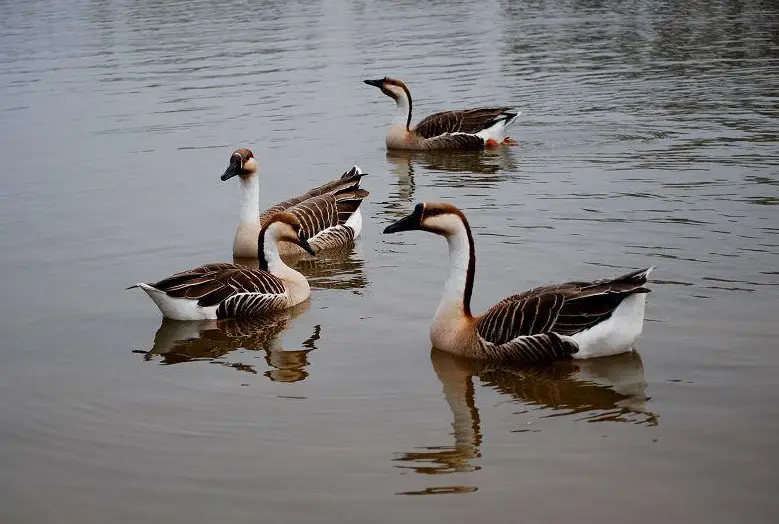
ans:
(446, 222)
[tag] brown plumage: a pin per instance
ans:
(223, 290)
(467, 121)
(229, 287)
(565, 309)
(340, 197)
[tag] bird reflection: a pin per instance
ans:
(212, 340)
(596, 390)
(464, 167)
(448, 169)
(338, 268)
(403, 167)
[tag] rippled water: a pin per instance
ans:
(649, 135)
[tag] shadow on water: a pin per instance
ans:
(610, 389)
(212, 341)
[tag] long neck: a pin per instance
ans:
(403, 114)
(270, 261)
(462, 268)
(250, 198)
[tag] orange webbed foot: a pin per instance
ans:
(510, 141)
(491, 143)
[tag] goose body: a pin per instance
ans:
(465, 129)
(574, 319)
(224, 290)
(328, 214)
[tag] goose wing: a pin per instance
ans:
(532, 326)
(469, 121)
(350, 180)
(236, 290)
(455, 141)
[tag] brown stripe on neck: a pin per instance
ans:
(261, 250)
(408, 95)
(471, 272)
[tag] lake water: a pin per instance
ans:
(649, 136)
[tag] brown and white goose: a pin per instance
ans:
(329, 214)
(225, 290)
(466, 129)
(576, 319)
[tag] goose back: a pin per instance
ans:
(536, 324)
(469, 121)
(235, 290)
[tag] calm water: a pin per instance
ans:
(649, 135)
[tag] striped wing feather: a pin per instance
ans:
(323, 208)
(528, 325)
(350, 180)
(241, 304)
(455, 141)
(214, 284)
(467, 121)
(332, 237)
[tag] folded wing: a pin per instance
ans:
(469, 121)
(236, 290)
(534, 325)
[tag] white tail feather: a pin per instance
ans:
(177, 308)
(617, 333)
(355, 222)
(497, 131)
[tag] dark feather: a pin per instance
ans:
(533, 348)
(349, 180)
(455, 141)
(347, 201)
(214, 284)
(466, 121)
(323, 207)
(562, 309)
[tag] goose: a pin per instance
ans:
(574, 319)
(328, 214)
(466, 129)
(223, 290)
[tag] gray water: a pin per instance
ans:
(649, 136)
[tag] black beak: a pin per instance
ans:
(407, 223)
(303, 242)
(230, 172)
(375, 83)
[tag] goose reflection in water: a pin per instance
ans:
(451, 168)
(211, 341)
(598, 390)
(338, 268)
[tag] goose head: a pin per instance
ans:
(395, 89)
(434, 217)
(284, 227)
(242, 163)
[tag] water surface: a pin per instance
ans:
(649, 136)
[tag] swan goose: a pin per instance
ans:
(576, 319)
(328, 214)
(465, 129)
(224, 290)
